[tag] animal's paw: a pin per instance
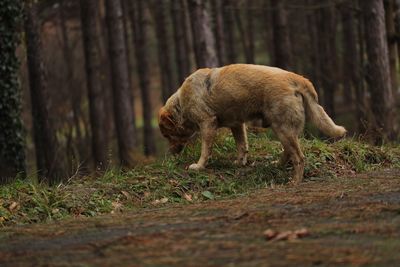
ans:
(196, 167)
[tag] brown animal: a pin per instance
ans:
(231, 95)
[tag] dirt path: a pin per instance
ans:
(351, 221)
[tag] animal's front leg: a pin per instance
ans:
(208, 129)
(240, 136)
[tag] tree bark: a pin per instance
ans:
(129, 53)
(378, 70)
(328, 54)
(47, 159)
(203, 39)
(361, 99)
(123, 112)
(180, 40)
(158, 8)
(229, 19)
(315, 69)
(350, 59)
(282, 48)
(91, 36)
(12, 139)
(268, 31)
(392, 42)
(74, 95)
(139, 25)
(352, 65)
(250, 34)
(219, 33)
(246, 33)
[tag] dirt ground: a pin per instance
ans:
(350, 221)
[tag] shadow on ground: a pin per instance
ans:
(351, 221)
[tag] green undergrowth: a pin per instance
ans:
(168, 181)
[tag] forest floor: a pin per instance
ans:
(347, 212)
(345, 220)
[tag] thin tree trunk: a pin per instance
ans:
(315, 69)
(246, 34)
(139, 25)
(350, 59)
(361, 103)
(250, 34)
(392, 43)
(187, 33)
(91, 36)
(123, 112)
(229, 19)
(378, 70)
(397, 28)
(74, 95)
(12, 138)
(282, 48)
(268, 31)
(352, 65)
(219, 33)
(180, 40)
(203, 39)
(327, 49)
(48, 160)
(129, 49)
(158, 8)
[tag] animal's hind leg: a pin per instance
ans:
(291, 146)
(240, 135)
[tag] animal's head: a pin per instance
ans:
(177, 134)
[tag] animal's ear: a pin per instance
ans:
(165, 118)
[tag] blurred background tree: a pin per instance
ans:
(94, 73)
(12, 139)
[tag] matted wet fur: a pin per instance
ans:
(231, 95)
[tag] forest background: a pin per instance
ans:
(82, 81)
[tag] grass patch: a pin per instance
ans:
(168, 181)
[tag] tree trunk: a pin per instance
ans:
(229, 19)
(352, 65)
(246, 35)
(47, 159)
(219, 33)
(203, 39)
(268, 31)
(250, 34)
(392, 42)
(282, 48)
(361, 101)
(74, 96)
(158, 8)
(315, 69)
(397, 27)
(328, 53)
(91, 36)
(350, 59)
(123, 112)
(129, 49)
(139, 25)
(187, 33)
(378, 70)
(12, 140)
(180, 40)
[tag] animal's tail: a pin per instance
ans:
(316, 114)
